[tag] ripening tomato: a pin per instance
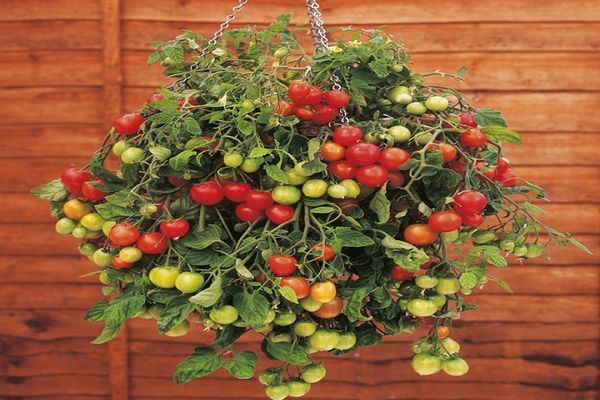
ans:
(420, 234)
(279, 213)
(342, 169)
(442, 332)
(74, 179)
(330, 309)
(207, 193)
(470, 201)
(128, 124)
(118, 263)
(444, 221)
(449, 152)
(458, 165)
(336, 98)
(298, 89)
(282, 265)
(175, 229)
(92, 193)
(372, 175)
(471, 219)
(176, 180)
(324, 252)
(399, 274)
(332, 151)
(304, 114)
(152, 243)
(473, 138)
(467, 119)
(502, 165)
(323, 292)
(236, 192)
(246, 213)
(347, 135)
(396, 179)
(313, 97)
(324, 114)
(393, 157)
(299, 285)
(507, 178)
(284, 108)
(155, 97)
(363, 154)
(123, 234)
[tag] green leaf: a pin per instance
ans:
(108, 333)
(578, 244)
(461, 73)
(123, 308)
(322, 210)
(175, 312)
(191, 125)
(276, 173)
(489, 117)
(366, 335)
(380, 67)
(113, 212)
(501, 283)
(468, 280)
(288, 293)
(381, 205)
(96, 312)
(354, 304)
(253, 308)
(243, 365)
(314, 146)
(181, 160)
(314, 166)
(258, 152)
(241, 269)
(204, 361)
(395, 244)
(533, 208)
(201, 240)
(161, 153)
(500, 134)
(51, 191)
(291, 353)
(210, 295)
(244, 126)
(120, 198)
(495, 258)
(348, 237)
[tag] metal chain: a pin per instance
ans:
(321, 42)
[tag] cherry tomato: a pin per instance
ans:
(132, 155)
(286, 195)
(284, 108)
(392, 158)
(352, 188)
(372, 175)
(118, 263)
(298, 89)
(442, 332)
(396, 179)
(324, 252)
(470, 201)
(416, 108)
(449, 152)
(467, 119)
(236, 192)
(473, 138)
(315, 188)
(92, 193)
(164, 277)
(224, 315)
(507, 178)
(128, 124)
(399, 133)
(246, 213)
(444, 221)
(282, 265)
(74, 179)
(207, 193)
(324, 114)
(455, 366)
(324, 339)
(458, 165)
(436, 103)
(299, 285)
(363, 153)
(279, 213)
(314, 96)
(65, 226)
(130, 254)
(183, 103)
(304, 114)
(176, 180)
(92, 221)
(471, 219)
(152, 243)
(426, 364)
(420, 234)
(155, 97)
(336, 98)
(175, 229)
(332, 151)
(342, 169)
(250, 165)
(313, 373)
(347, 135)
(502, 165)
(189, 282)
(123, 234)
(76, 209)
(304, 328)
(330, 309)
(399, 274)
(259, 200)
(323, 292)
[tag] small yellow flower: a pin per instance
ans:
(335, 49)
(251, 43)
(354, 43)
(276, 63)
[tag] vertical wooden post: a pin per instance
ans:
(112, 82)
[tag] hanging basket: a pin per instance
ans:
(321, 202)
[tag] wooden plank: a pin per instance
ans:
(555, 148)
(67, 363)
(51, 270)
(50, 35)
(28, 10)
(418, 37)
(380, 12)
(14, 346)
(61, 386)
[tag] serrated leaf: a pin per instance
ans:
(291, 353)
(161, 153)
(210, 295)
(578, 244)
(191, 125)
(243, 365)
(276, 173)
(489, 117)
(288, 293)
(501, 283)
(241, 269)
(123, 308)
(349, 237)
(355, 302)
(468, 280)
(181, 160)
(108, 333)
(51, 191)
(201, 240)
(500, 134)
(204, 361)
(381, 206)
(175, 312)
(258, 152)
(253, 308)
(461, 73)
(244, 126)
(96, 312)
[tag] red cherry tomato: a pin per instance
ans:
(444, 221)
(449, 152)
(330, 309)
(473, 138)
(502, 165)
(458, 166)
(392, 158)
(298, 89)
(279, 213)
(299, 285)
(123, 234)
(246, 213)
(347, 135)
(284, 108)
(182, 103)
(507, 178)
(282, 265)
(314, 96)
(324, 114)
(152, 243)
(304, 114)
(467, 119)
(176, 180)
(324, 252)
(396, 179)
(470, 201)
(92, 193)
(372, 175)
(259, 200)
(471, 219)
(207, 193)
(74, 178)
(128, 124)
(336, 98)
(332, 151)
(118, 263)
(420, 234)
(175, 229)
(363, 153)
(236, 192)
(399, 274)
(155, 97)
(342, 169)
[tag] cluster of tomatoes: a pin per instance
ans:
(311, 103)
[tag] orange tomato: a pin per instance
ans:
(420, 234)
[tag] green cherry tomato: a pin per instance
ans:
(103, 257)
(163, 277)
(337, 191)
(304, 328)
(92, 234)
(88, 248)
(293, 178)
(250, 165)
(438, 298)
(422, 138)
(421, 345)
(270, 376)
(189, 282)
(281, 52)
(270, 317)
(484, 237)
(436, 103)
(416, 108)
(130, 254)
(92, 221)
(400, 95)
(352, 187)
(314, 188)
(224, 315)
(233, 159)
(313, 373)
(148, 209)
(144, 313)
(397, 68)
(79, 232)
(421, 307)
(298, 388)
(347, 341)
(399, 133)
(103, 278)
(179, 330)
(449, 346)
(507, 245)
(324, 339)
(426, 364)
(107, 226)
(534, 250)
(119, 148)
(449, 237)
(247, 105)
(132, 155)
(373, 138)
(447, 286)
(285, 319)
(286, 195)
(520, 251)
(426, 281)
(65, 226)
(300, 170)
(277, 392)
(455, 366)
(310, 305)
